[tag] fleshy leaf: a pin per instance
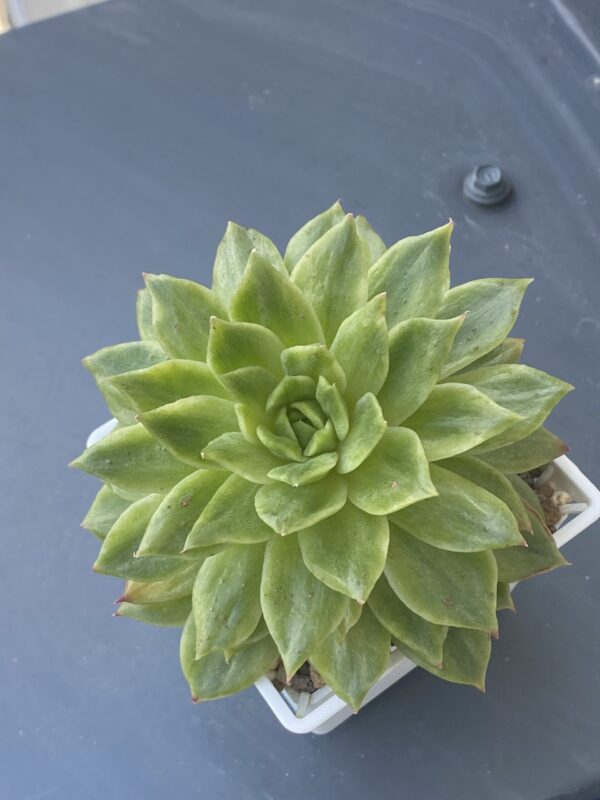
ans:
(351, 616)
(180, 508)
(170, 614)
(314, 360)
(351, 664)
(455, 418)
(334, 406)
(528, 496)
(508, 352)
(418, 350)
(308, 234)
(309, 471)
(173, 588)
(504, 597)
(535, 450)
(374, 242)
(235, 345)
(104, 512)
(250, 386)
(289, 390)
(287, 508)
(347, 551)
(212, 676)
(229, 517)
(541, 555)
(181, 311)
(395, 475)
(414, 273)
(299, 610)
(143, 314)
(491, 306)
(268, 297)
(332, 275)
(323, 440)
(226, 598)
(463, 517)
(283, 447)
(421, 636)
(187, 426)
(252, 461)
(367, 426)
(445, 588)
(133, 462)
(232, 257)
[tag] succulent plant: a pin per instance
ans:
(317, 459)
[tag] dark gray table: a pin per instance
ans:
(129, 134)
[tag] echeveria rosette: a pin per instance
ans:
(317, 459)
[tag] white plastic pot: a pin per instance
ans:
(323, 710)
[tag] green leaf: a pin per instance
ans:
(301, 474)
(418, 350)
(299, 610)
(283, 447)
(347, 551)
(421, 636)
(252, 461)
(180, 508)
(414, 273)
(524, 390)
(323, 440)
(226, 598)
(232, 257)
(229, 517)
(104, 512)
(351, 616)
(316, 361)
(504, 597)
(540, 555)
(290, 390)
(308, 234)
(268, 297)
(332, 274)
(508, 352)
(117, 554)
(367, 426)
(188, 425)
(456, 418)
(235, 345)
(181, 311)
(527, 495)
(310, 411)
(466, 656)
(171, 614)
(212, 676)
(334, 406)
(491, 479)
(395, 475)
(375, 244)
(250, 386)
(539, 448)
(158, 592)
(287, 508)
(150, 388)
(143, 314)
(445, 588)
(463, 517)
(491, 306)
(351, 664)
(132, 462)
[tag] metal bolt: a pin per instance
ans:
(486, 185)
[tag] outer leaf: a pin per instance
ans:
(299, 610)
(316, 361)
(395, 475)
(143, 314)
(267, 297)
(351, 617)
(463, 517)
(527, 495)
(361, 348)
(347, 551)
(212, 676)
(541, 555)
(226, 598)
(351, 664)
(418, 350)
(524, 390)
(414, 273)
(508, 352)
(491, 305)
(332, 274)
(171, 614)
(235, 345)
(466, 656)
(301, 474)
(491, 479)
(252, 461)
(421, 636)
(504, 600)
(375, 244)
(159, 592)
(174, 518)
(456, 418)
(187, 426)
(132, 462)
(334, 406)
(232, 257)
(537, 449)
(230, 517)
(311, 232)
(287, 509)
(445, 588)
(104, 512)
(117, 554)
(181, 311)
(365, 432)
